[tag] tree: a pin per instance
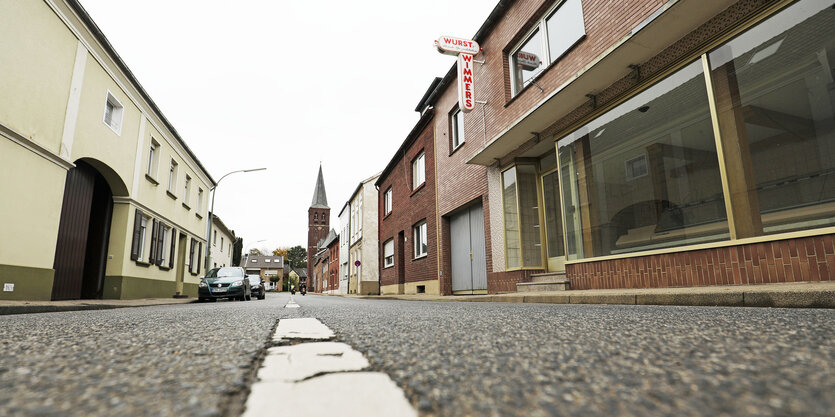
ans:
(297, 257)
(237, 248)
(281, 252)
(255, 252)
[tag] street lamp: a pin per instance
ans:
(212, 213)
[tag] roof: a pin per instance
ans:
(422, 104)
(330, 238)
(320, 199)
(479, 37)
(410, 139)
(301, 272)
(217, 222)
(99, 35)
(260, 261)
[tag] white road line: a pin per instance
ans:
(308, 328)
(320, 379)
(291, 303)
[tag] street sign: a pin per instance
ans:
(357, 263)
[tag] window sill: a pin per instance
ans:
(460, 145)
(151, 180)
(420, 187)
(170, 194)
(387, 216)
(421, 257)
(164, 268)
(143, 263)
(390, 266)
(199, 216)
(186, 206)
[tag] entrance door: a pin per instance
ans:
(469, 263)
(553, 221)
(83, 235)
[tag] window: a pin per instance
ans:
(164, 246)
(153, 158)
(420, 239)
(186, 189)
(670, 193)
(199, 200)
(388, 253)
(172, 176)
(550, 39)
(214, 238)
(457, 122)
(221, 243)
(777, 79)
(419, 171)
(387, 202)
(267, 260)
(521, 217)
(143, 238)
(113, 111)
(636, 167)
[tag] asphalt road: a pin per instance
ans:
(452, 359)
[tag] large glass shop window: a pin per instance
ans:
(775, 100)
(521, 217)
(645, 175)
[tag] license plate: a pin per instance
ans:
(219, 290)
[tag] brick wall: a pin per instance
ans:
(316, 230)
(793, 260)
(333, 266)
(408, 208)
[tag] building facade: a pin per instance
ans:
(332, 244)
(106, 200)
(223, 240)
(344, 245)
(642, 143)
(363, 252)
(268, 267)
(407, 214)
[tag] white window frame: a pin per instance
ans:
(166, 245)
(458, 136)
(116, 115)
(545, 53)
(419, 237)
(387, 201)
(199, 200)
(388, 259)
(628, 174)
(143, 238)
(186, 189)
(419, 167)
(172, 176)
(153, 158)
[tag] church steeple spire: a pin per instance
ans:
(320, 199)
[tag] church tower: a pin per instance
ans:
(318, 221)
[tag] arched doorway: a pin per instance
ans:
(83, 233)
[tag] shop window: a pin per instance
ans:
(673, 198)
(521, 217)
(775, 100)
(552, 37)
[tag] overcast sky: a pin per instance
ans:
(285, 85)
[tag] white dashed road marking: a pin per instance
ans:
(320, 379)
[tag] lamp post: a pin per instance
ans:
(212, 213)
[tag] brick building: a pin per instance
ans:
(332, 245)
(407, 213)
(318, 221)
(641, 143)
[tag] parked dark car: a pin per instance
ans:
(256, 284)
(226, 282)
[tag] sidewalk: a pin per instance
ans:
(790, 295)
(26, 307)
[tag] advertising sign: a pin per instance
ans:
(466, 87)
(449, 45)
(527, 61)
